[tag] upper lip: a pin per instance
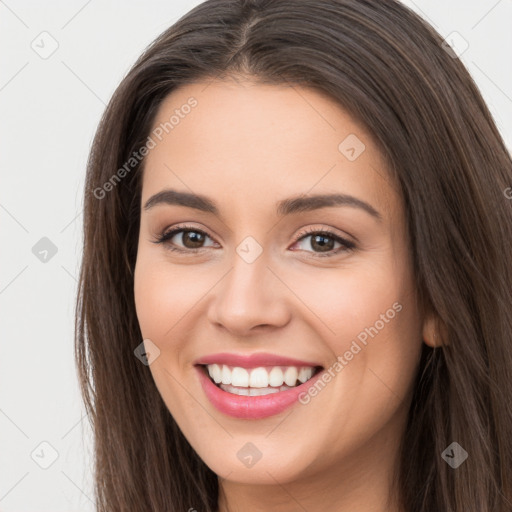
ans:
(252, 360)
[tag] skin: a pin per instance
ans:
(247, 146)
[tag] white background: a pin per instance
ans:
(49, 111)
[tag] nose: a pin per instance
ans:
(249, 298)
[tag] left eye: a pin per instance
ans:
(322, 242)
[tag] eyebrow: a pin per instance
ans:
(297, 204)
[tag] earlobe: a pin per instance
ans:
(433, 333)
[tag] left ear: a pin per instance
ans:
(433, 333)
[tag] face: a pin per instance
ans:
(243, 272)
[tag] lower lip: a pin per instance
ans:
(252, 407)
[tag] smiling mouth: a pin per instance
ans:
(299, 376)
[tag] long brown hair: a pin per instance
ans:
(389, 69)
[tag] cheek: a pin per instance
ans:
(348, 299)
(165, 293)
(370, 324)
(369, 319)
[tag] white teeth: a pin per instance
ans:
(275, 377)
(305, 374)
(215, 372)
(290, 376)
(240, 377)
(226, 375)
(252, 391)
(259, 377)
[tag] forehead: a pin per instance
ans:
(261, 143)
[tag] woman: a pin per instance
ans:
(296, 290)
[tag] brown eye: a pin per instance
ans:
(192, 239)
(323, 243)
(184, 239)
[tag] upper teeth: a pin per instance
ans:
(259, 377)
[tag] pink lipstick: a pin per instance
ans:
(252, 360)
(252, 407)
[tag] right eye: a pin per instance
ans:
(191, 239)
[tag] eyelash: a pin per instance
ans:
(347, 245)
